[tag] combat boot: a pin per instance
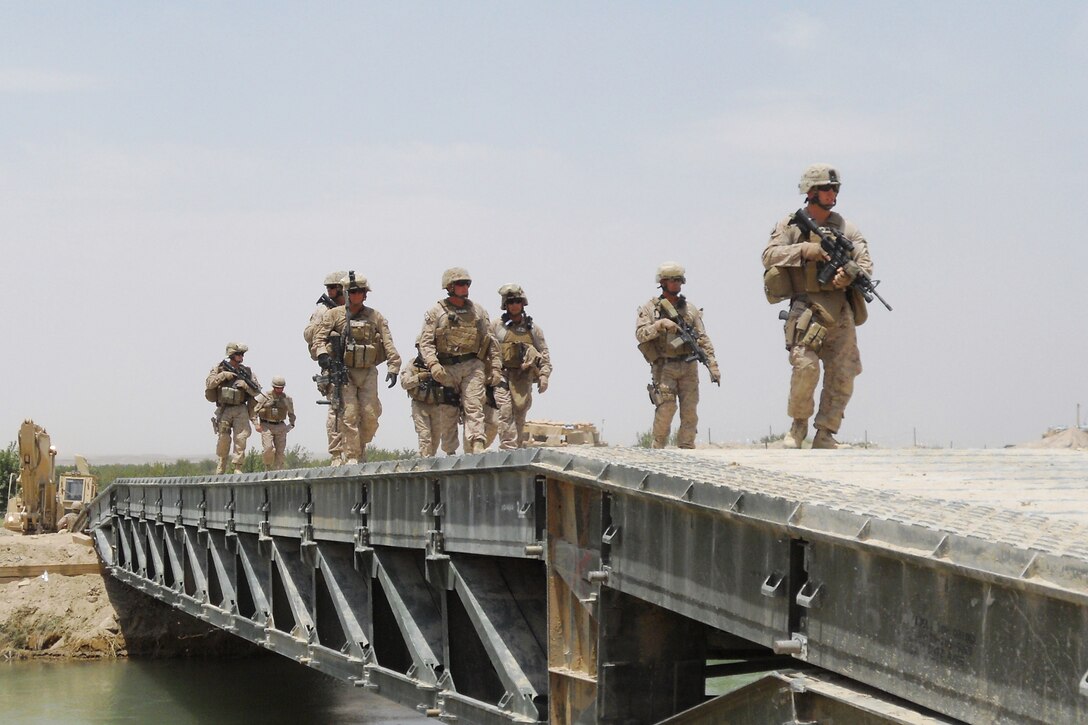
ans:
(478, 446)
(336, 461)
(351, 462)
(824, 439)
(798, 433)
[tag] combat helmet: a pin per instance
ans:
(335, 278)
(818, 175)
(352, 281)
(236, 347)
(511, 291)
(454, 274)
(279, 382)
(670, 269)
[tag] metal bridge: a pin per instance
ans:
(617, 585)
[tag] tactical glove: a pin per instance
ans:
(323, 360)
(542, 384)
(391, 378)
(812, 252)
(664, 325)
(441, 376)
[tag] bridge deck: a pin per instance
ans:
(1051, 483)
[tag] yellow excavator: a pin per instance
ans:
(36, 504)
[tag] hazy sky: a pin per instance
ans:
(178, 175)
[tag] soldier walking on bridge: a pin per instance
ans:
(333, 297)
(822, 318)
(435, 409)
(525, 359)
(233, 388)
(672, 338)
(366, 343)
(275, 413)
(454, 343)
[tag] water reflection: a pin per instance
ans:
(266, 690)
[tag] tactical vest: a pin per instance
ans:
(460, 332)
(365, 347)
(803, 278)
(275, 410)
(670, 345)
(227, 393)
(513, 340)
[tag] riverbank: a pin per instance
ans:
(89, 616)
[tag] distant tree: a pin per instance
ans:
(9, 463)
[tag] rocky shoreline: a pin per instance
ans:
(91, 616)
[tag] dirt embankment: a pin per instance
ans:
(90, 616)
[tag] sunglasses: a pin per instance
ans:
(462, 283)
(828, 187)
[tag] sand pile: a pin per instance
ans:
(1075, 438)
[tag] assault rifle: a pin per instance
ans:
(327, 301)
(686, 335)
(241, 373)
(442, 394)
(838, 248)
(334, 376)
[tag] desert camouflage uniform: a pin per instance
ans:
(673, 378)
(332, 428)
(362, 408)
(435, 421)
(459, 339)
(523, 354)
(276, 415)
(834, 309)
(232, 419)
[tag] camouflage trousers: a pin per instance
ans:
(468, 379)
(499, 421)
(676, 381)
(507, 422)
(233, 424)
(361, 412)
(842, 363)
(335, 434)
(436, 425)
(274, 441)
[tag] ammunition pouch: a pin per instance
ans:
(650, 351)
(512, 353)
(456, 340)
(814, 336)
(807, 327)
(211, 395)
(275, 413)
(230, 395)
(363, 356)
(777, 285)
